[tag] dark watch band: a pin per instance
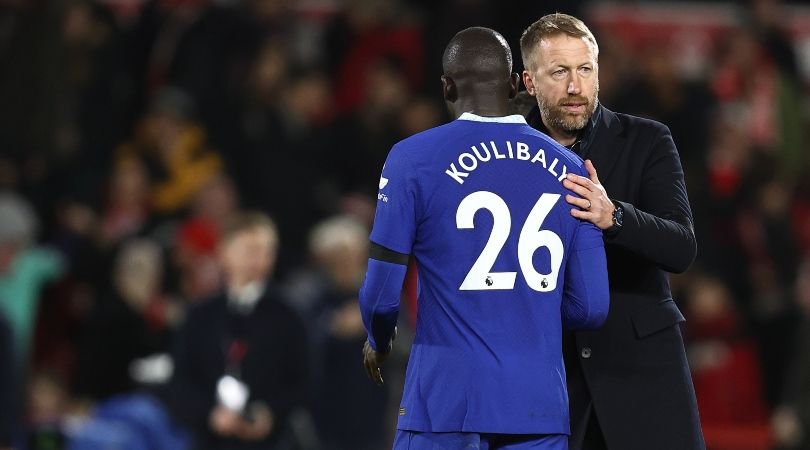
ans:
(618, 218)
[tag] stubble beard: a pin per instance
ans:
(556, 118)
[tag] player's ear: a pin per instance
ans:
(449, 90)
(529, 83)
(514, 83)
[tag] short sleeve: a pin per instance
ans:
(395, 219)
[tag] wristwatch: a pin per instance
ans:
(618, 217)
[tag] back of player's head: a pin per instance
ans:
(477, 56)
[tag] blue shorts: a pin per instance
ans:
(417, 440)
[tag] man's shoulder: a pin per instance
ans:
(636, 124)
(423, 141)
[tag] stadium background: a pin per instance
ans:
(130, 130)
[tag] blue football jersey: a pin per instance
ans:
(479, 203)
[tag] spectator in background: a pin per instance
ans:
(291, 142)
(349, 411)
(198, 46)
(418, 115)
(768, 26)
(661, 93)
(217, 202)
(194, 247)
(241, 362)
(792, 419)
(126, 210)
(725, 368)
(365, 133)
(366, 33)
(194, 260)
(771, 260)
(175, 149)
(133, 320)
(24, 270)
(755, 89)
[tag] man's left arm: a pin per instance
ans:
(659, 227)
(392, 239)
(379, 306)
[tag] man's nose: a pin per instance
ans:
(574, 85)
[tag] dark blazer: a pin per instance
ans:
(274, 365)
(633, 371)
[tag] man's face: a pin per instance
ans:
(248, 256)
(565, 80)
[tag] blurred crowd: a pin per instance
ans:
(134, 134)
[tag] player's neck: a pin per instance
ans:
(481, 107)
(563, 137)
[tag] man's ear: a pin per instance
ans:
(449, 90)
(529, 83)
(514, 84)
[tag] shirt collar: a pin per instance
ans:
(515, 118)
(244, 300)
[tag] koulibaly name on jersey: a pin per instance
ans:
(468, 161)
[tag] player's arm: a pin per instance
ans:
(380, 294)
(392, 239)
(379, 305)
(586, 296)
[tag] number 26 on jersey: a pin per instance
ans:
(532, 237)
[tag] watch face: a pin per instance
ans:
(618, 214)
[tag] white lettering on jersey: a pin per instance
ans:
(469, 161)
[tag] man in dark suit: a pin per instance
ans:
(241, 357)
(629, 382)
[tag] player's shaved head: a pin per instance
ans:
(478, 55)
(477, 66)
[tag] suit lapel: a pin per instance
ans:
(606, 144)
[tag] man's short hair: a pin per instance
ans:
(553, 25)
(248, 221)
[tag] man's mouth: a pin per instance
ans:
(574, 108)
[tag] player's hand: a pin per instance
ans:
(593, 201)
(373, 359)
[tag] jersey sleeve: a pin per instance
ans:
(587, 235)
(379, 301)
(396, 216)
(586, 296)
